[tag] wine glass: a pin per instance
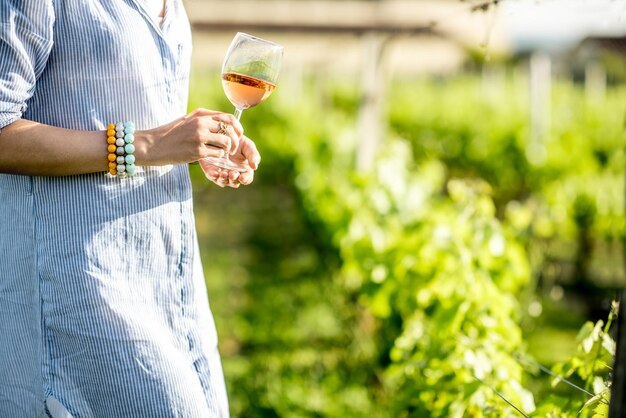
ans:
(249, 74)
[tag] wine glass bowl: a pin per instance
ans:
(250, 70)
(249, 74)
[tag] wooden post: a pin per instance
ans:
(595, 81)
(540, 98)
(493, 82)
(295, 82)
(370, 121)
(617, 407)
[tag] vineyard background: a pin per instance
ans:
(484, 241)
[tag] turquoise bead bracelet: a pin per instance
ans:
(121, 149)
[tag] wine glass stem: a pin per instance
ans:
(237, 114)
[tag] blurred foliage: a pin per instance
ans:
(564, 197)
(396, 293)
(590, 367)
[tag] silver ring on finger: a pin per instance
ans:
(222, 128)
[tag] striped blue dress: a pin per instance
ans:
(103, 306)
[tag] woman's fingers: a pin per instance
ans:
(246, 177)
(211, 151)
(250, 152)
(233, 179)
(228, 178)
(230, 120)
(247, 155)
(222, 177)
(215, 145)
(210, 170)
(228, 130)
(228, 125)
(203, 112)
(221, 135)
(224, 130)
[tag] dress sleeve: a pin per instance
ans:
(26, 37)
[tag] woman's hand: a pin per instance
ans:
(188, 139)
(246, 156)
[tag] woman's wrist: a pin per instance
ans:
(143, 142)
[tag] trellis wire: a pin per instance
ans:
(501, 396)
(522, 358)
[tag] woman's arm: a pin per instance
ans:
(32, 148)
(35, 149)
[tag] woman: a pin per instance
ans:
(103, 305)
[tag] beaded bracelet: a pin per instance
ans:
(120, 148)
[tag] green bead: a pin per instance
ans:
(129, 148)
(131, 169)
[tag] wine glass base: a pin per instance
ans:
(226, 164)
